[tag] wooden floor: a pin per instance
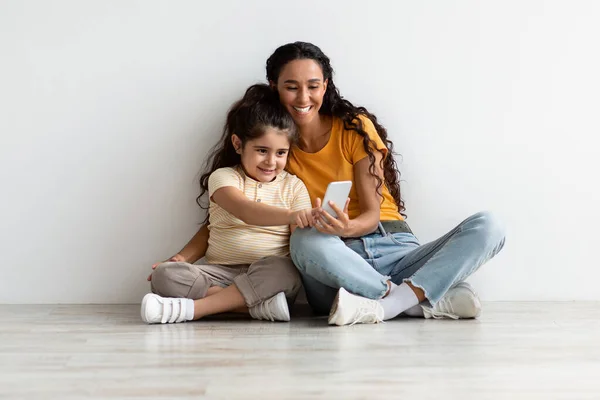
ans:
(514, 351)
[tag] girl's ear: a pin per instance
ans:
(237, 143)
(273, 85)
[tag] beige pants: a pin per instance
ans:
(256, 282)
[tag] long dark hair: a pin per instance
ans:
(335, 105)
(249, 119)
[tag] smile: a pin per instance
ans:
(302, 110)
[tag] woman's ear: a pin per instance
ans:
(325, 84)
(237, 143)
(273, 85)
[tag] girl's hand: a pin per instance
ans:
(326, 223)
(303, 218)
(176, 257)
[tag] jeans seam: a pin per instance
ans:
(429, 255)
(370, 254)
(396, 241)
(339, 278)
(328, 272)
(451, 234)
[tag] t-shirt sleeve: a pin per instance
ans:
(356, 146)
(221, 178)
(301, 198)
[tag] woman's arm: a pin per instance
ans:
(369, 202)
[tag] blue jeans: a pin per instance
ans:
(364, 265)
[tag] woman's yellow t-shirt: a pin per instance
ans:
(335, 162)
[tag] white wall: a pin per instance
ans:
(107, 109)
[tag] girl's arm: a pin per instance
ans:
(196, 247)
(235, 202)
(193, 250)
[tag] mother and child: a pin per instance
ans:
(267, 234)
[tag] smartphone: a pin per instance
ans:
(337, 192)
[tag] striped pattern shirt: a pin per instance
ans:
(232, 241)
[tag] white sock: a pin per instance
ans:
(399, 299)
(189, 310)
(414, 311)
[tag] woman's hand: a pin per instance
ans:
(176, 257)
(326, 223)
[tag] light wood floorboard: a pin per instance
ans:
(514, 351)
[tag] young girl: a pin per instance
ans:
(253, 206)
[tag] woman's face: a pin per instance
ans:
(301, 89)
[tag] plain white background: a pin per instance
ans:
(108, 108)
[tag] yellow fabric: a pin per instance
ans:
(335, 162)
(232, 241)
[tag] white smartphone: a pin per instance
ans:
(337, 192)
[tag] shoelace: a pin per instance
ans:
(366, 313)
(443, 309)
(367, 317)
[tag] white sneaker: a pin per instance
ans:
(351, 309)
(459, 302)
(163, 310)
(273, 309)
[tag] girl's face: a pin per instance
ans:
(301, 88)
(265, 157)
